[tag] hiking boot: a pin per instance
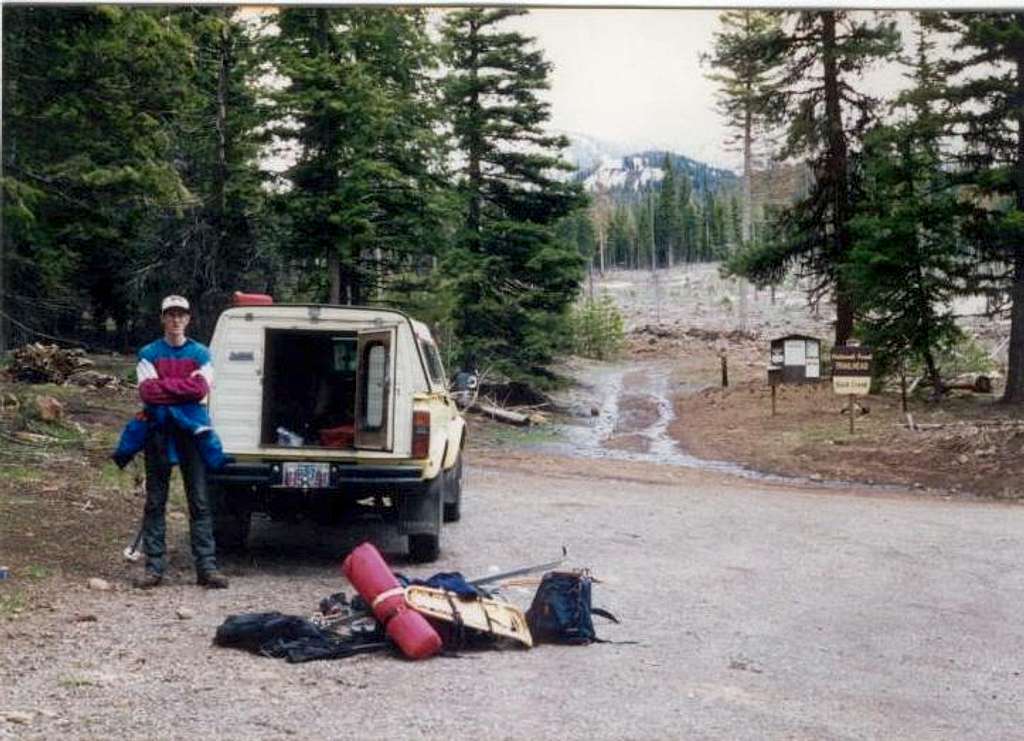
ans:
(148, 580)
(212, 580)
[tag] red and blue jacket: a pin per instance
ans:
(172, 383)
(173, 375)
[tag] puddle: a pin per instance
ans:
(635, 410)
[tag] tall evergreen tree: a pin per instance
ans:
(514, 278)
(908, 261)
(365, 196)
(746, 55)
(89, 99)
(666, 218)
(622, 238)
(826, 115)
(644, 218)
(686, 219)
(905, 265)
(987, 113)
(217, 240)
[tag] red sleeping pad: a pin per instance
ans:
(366, 571)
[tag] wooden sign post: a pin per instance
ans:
(851, 373)
(774, 379)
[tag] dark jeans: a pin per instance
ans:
(158, 476)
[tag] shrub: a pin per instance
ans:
(597, 328)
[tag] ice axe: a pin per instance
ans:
(132, 552)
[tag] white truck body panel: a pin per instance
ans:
(237, 349)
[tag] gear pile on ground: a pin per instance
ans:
(39, 363)
(418, 618)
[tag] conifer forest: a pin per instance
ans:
(403, 156)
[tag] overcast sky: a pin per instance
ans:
(634, 77)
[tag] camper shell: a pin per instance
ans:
(325, 407)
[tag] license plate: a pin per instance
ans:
(306, 475)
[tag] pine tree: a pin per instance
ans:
(366, 195)
(747, 55)
(906, 264)
(89, 95)
(217, 148)
(514, 279)
(644, 219)
(686, 219)
(622, 238)
(987, 114)
(666, 222)
(824, 121)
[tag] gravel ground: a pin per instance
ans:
(762, 610)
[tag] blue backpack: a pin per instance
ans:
(561, 610)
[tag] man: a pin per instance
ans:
(176, 370)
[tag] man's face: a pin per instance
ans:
(175, 321)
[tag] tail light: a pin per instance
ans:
(420, 434)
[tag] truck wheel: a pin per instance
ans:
(453, 493)
(425, 546)
(231, 520)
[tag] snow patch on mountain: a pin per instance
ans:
(621, 174)
(608, 166)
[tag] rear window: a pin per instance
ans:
(376, 385)
(433, 358)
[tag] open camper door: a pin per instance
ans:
(375, 388)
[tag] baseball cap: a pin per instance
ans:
(175, 302)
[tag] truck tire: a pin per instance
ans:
(425, 546)
(232, 520)
(453, 492)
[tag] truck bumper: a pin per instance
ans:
(343, 476)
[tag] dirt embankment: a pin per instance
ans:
(976, 448)
(691, 317)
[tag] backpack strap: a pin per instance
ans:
(603, 613)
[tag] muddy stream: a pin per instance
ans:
(635, 410)
(635, 407)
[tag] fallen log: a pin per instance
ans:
(502, 415)
(962, 425)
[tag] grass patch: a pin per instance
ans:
(526, 435)
(112, 477)
(64, 435)
(19, 474)
(105, 439)
(12, 604)
(36, 572)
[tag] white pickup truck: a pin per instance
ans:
(326, 408)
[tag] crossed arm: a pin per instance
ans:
(156, 390)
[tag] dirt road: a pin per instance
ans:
(761, 610)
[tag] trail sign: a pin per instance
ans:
(795, 358)
(851, 373)
(851, 369)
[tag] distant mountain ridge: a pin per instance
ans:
(608, 167)
(636, 172)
